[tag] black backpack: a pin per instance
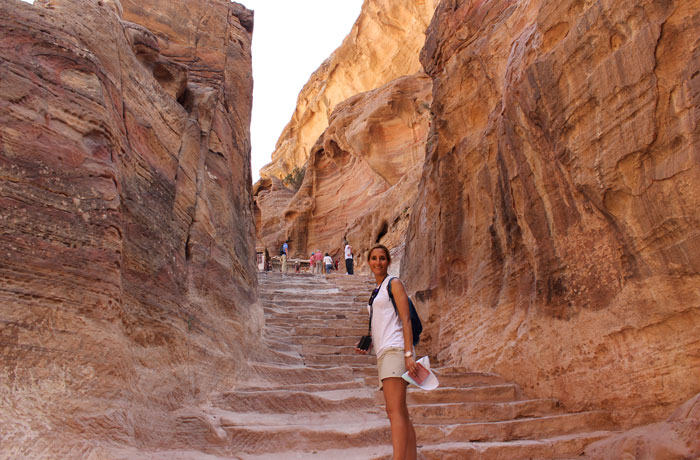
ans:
(416, 325)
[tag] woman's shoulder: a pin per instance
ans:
(396, 283)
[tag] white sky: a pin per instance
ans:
(291, 39)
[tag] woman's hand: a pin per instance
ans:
(411, 367)
(361, 352)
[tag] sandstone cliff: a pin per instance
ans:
(560, 197)
(361, 177)
(383, 45)
(127, 286)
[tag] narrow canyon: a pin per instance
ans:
(533, 166)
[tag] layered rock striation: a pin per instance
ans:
(383, 45)
(560, 197)
(361, 179)
(127, 278)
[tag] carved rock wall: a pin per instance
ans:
(127, 278)
(361, 178)
(384, 44)
(559, 199)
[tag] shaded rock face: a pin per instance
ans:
(383, 44)
(127, 271)
(360, 180)
(560, 197)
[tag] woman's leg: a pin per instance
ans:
(403, 436)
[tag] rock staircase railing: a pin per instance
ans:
(317, 399)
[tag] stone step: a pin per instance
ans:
(349, 359)
(451, 413)
(348, 453)
(314, 289)
(306, 295)
(314, 315)
(332, 331)
(330, 407)
(461, 380)
(524, 428)
(265, 372)
(330, 341)
(365, 372)
(489, 393)
(305, 438)
(321, 349)
(298, 287)
(354, 384)
(328, 323)
(447, 378)
(290, 401)
(310, 297)
(319, 305)
(558, 447)
(310, 419)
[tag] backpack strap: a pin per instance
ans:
(391, 295)
(371, 301)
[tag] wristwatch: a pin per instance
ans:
(408, 354)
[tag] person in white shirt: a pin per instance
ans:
(328, 262)
(392, 340)
(348, 258)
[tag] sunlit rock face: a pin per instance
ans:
(361, 179)
(555, 235)
(127, 284)
(384, 44)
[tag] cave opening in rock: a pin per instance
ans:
(382, 231)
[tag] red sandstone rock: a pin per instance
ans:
(127, 285)
(383, 45)
(361, 178)
(554, 239)
(674, 439)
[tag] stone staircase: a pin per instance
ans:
(317, 399)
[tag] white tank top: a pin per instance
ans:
(387, 328)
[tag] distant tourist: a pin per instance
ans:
(328, 261)
(312, 263)
(392, 340)
(348, 258)
(319, 262)
(283, 257)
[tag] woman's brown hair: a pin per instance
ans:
(383, 248)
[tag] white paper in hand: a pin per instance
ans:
(430, 382)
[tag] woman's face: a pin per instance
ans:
(378, 262)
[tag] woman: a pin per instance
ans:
(328, 261)
(392, 339)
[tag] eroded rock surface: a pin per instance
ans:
(559, 199)
(673, 439)
(127, 284)
(383, 45)
(361, 178)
